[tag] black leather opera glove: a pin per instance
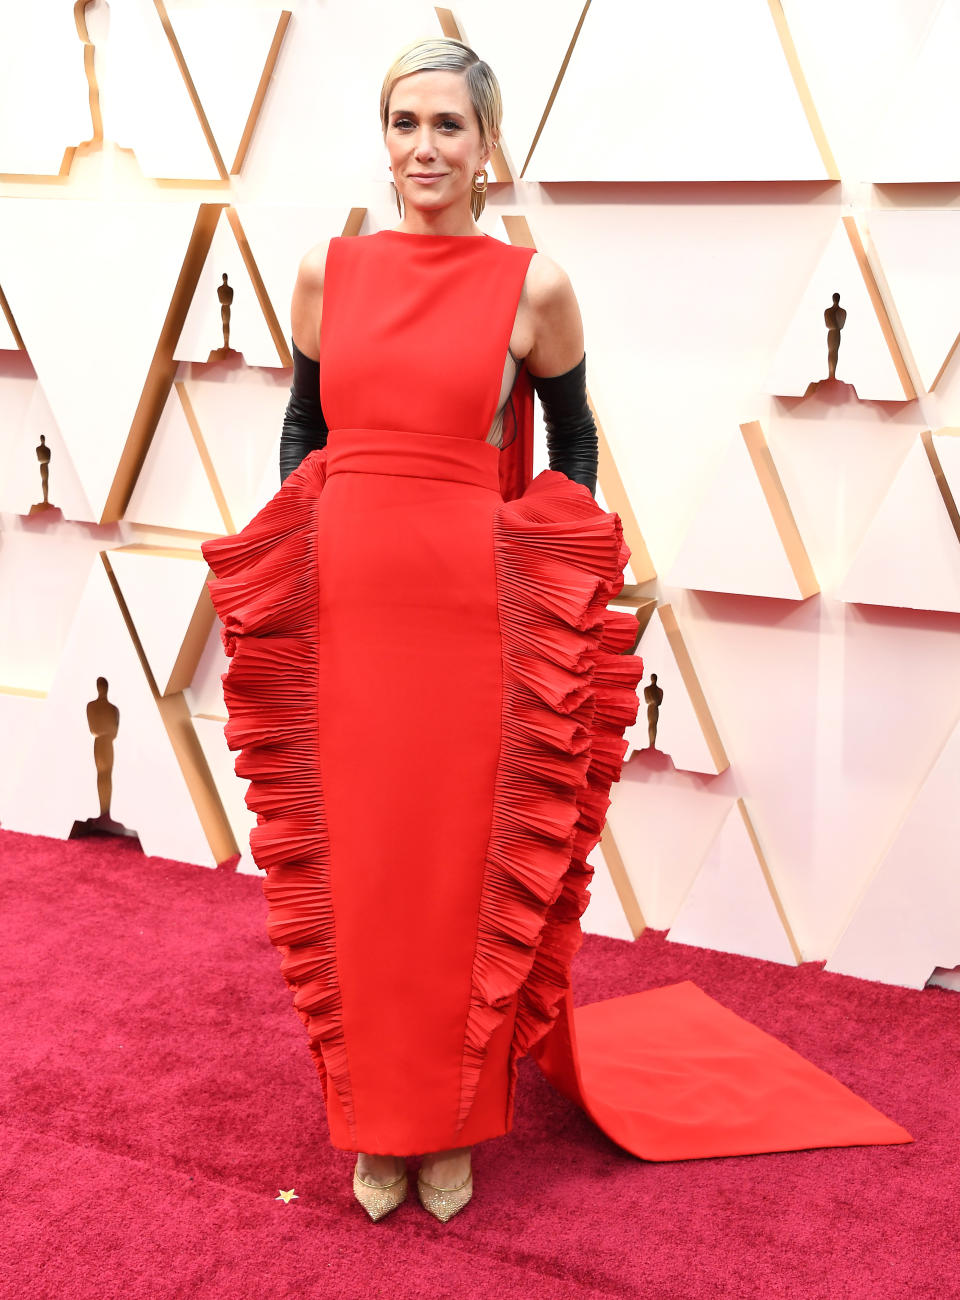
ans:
(572, 444)
(304, 427)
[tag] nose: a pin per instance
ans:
(424, 147)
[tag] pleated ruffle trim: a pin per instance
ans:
(265, 593)
(569, 693)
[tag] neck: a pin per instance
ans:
(443, 222)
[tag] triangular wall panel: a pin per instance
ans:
(249, 330)
(910, 554)
(918, 135)
(854, 55)
(166, 595)
(663, 827)
(839, 460)
(527, 44)
(44, 105)
(685, 728)
(279, 235)
(230, 78)
(906, 923)
(21, 715)
(238, 418)
(173, 488)
(662, 93)
(919, 254)
(44, 565)
(58, 779)
(732, 906)
(744, 538)
(17, 388)
(946, 448)
(9, 335)
(52, 259)
(21, 485)
(140, 72)
(869, 356)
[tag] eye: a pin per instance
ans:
(401, 122)
(450, 123)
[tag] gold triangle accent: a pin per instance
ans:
(89, 68)
(615, 495)
(930, 447)
(205, 457)
(621, 882)
(183, 739)
(181, 62)
(8, 314)
(693, 688)
(354, 221)
(261, 91)
(25, 691)
(259, 288)
(164, 552)
(194, 640)
(556, 87)
(774, 894)
(779, 507)
(185, 534)
(946, 361)
(883, 318)
(160, 376)
(803, 90)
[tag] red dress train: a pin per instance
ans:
(429, 697)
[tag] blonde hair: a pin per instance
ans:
(445, 54)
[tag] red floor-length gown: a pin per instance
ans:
(429, 697)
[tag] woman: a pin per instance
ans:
(429, 696)
(417, 672)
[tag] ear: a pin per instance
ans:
(489, 152)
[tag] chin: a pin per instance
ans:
(426, 205)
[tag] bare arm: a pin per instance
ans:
(307, 302)
(557, 365)
(555, 312)
(304, 425)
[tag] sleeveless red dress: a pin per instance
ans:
(429, 697)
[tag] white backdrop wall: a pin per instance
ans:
(693, 175)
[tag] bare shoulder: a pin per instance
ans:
(312, 266)
(307, 301)
(557, 326)
(547, 284)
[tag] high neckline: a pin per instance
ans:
(414, 234)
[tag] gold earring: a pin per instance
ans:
(478, 194)
(396, 195)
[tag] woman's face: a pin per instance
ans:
(433, 138)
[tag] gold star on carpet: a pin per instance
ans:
(287, 1197)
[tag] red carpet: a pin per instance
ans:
(157, 1094)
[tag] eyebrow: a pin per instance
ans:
(408, 112)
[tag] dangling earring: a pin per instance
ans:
(396, 195)
(478, 195)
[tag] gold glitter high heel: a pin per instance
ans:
(444, 1202)
(379, 1200)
